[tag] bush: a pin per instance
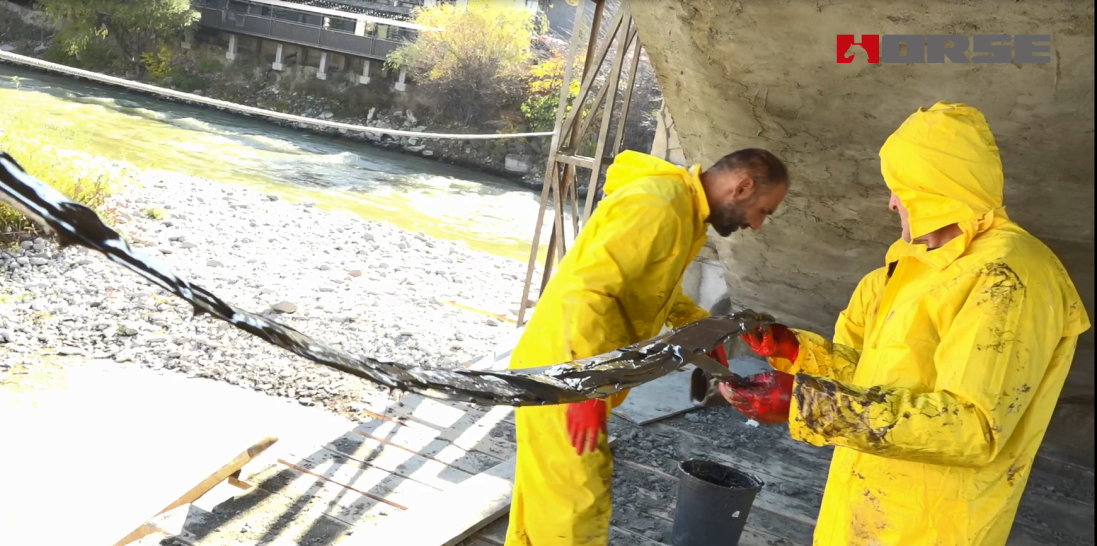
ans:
(544, 82)
(57, 158)
(134, 28)
(160, 65)
(477, 63)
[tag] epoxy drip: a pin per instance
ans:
(595, 377)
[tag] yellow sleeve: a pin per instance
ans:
(838, 359)
(683, 310)
(820, 357)
(849, 330)
(627, 266)
(991, 359)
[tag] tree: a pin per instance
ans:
(135, 27)
(544, 83)
(476, 61)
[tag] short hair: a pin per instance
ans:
(761, 165)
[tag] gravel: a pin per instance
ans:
(366, 287)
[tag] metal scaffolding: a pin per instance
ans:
(560, 186)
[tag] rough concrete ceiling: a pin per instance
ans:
(763, 73)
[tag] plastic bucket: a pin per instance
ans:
(714, 501)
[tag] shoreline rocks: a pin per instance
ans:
(366, 287)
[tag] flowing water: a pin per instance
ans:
(487, 213)
(412, 193)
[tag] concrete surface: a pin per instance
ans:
(764, 73)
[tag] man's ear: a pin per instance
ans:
(745, 189)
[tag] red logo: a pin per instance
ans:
(870, 43)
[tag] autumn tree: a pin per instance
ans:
(544, 82)
(133, 27)
(476, 59)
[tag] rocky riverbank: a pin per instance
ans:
(363, 286)
(297, 91)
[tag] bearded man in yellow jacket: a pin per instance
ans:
(618, 285)
(938, 415)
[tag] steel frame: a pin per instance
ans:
(571, 126)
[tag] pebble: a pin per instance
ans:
(77, 300)
(284, 307)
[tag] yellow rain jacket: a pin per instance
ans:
(938, 417)
(618, 285)
(850, 328)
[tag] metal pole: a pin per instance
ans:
(580, 10)
(607, 114)
(627, 104)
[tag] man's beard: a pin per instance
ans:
(730, 219)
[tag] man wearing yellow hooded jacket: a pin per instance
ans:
(618, 285)
(937, 418)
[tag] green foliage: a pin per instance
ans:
(544, 83)
(133, 27)
(58, 158)
(154, 214)
(477, 62)
(160, 65)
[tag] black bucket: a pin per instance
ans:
(713, 504)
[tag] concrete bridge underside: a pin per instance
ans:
(762, 73)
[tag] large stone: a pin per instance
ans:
(518, 163)
(731, 82)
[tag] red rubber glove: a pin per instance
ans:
(586, 420)
(719, 355)
(766, 397)
(773, 340)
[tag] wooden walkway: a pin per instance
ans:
(420, 472)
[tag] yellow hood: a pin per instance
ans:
(944, 166)
(630, 166)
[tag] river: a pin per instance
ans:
(487, 213)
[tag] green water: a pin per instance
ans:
(487, 213)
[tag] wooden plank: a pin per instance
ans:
(465, 509)
(1067, 517)
(427, 442)
(466, 426)
(391, 459)
(450, 517)
(787, 507)
(258, 516)
(653, 492)
(366, 480)
(662, 398)
(159, 437)
(607, 111)
(495, 532)
(588, 80)
(578, 160)
(204, 487)
(785, 470)
(311, 494)
(476, 542)
(659, 529)
(501, 316)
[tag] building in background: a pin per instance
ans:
(344, 36)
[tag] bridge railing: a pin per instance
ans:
(294, 32)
